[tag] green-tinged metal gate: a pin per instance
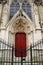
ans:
(34, 54)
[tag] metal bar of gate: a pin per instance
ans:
(12, 55)
(21, 60)
(31, 53)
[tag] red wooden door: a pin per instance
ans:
(20, 45)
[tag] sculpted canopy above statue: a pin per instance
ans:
(20, 25)
(38, 2)
(3, 1)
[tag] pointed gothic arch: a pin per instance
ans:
(16, 16)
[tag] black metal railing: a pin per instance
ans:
(34, 54)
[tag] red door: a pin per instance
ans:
(20, 45)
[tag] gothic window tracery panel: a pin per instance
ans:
(22, 1)
(13, 9)
(27, 9)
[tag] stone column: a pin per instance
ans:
(5, 15)
(0, 10)
(35, 17)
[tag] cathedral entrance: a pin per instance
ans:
(20, 45)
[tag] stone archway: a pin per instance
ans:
(21, 25)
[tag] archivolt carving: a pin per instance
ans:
(20, 25)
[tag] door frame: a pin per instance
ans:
(21, 33)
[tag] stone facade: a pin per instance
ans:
(32, 28)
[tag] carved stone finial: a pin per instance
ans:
(20, 6)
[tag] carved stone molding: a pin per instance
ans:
(21, 25)
(3, 1)
(38, 2)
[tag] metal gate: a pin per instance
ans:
(34, 54)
